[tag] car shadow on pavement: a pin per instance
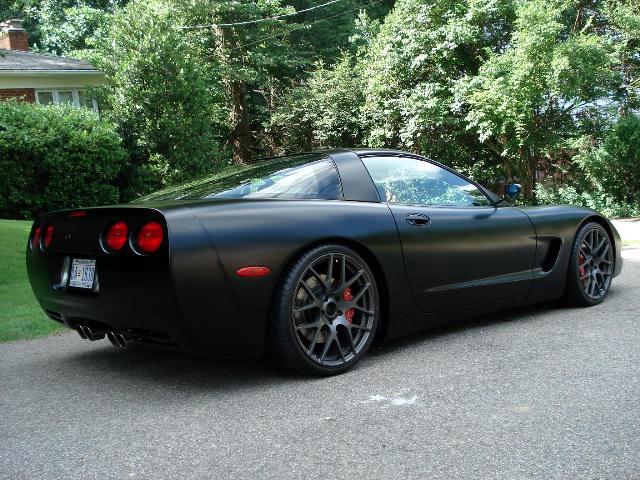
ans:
(528, 313)
(165, 368)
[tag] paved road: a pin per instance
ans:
(542, 392)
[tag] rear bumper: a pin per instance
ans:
(178, 299)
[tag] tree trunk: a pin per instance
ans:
(236, 89)
(241, 131)
(527, 173)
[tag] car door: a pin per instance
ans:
(459, 248)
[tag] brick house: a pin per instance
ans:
(42, 78)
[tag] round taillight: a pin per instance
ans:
(35, 240)
(116, 236)
(149, 237)
(48, 236)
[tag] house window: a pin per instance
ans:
(79, 98)
(45, 98)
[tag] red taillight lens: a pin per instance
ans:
(48, 236)
(150, 237)
(116, 237)
(35, 240)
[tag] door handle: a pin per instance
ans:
(418, 220)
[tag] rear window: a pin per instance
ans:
(297, 177)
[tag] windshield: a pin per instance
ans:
(301, 177)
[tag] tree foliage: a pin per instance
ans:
(614, 165)
(505, 90)
(165, 101)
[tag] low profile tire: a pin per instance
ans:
(326, 311)
(590, 266)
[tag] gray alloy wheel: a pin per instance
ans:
(326, 314)
(591, 266)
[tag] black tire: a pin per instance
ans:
(591, 266)
(309, 311)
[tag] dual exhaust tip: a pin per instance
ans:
(116, 339)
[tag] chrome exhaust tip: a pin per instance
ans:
(121, 340)
(112, 339)
(117, 339)
(81, 331)
(94, 333)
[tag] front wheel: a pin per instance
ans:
(326, 311)
(590, 266)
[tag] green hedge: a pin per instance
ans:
(54, 157)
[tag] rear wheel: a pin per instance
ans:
(590, 267)
(325, 312)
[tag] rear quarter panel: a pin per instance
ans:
(274, 233)
(210, 241)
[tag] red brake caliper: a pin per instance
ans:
(347, 296)
(581, 269)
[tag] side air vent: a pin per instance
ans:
(552, 251)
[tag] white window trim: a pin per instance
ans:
(56, 99)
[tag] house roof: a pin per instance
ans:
(16, 61)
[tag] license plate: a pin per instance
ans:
(83, 272)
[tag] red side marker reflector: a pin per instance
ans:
(253, 271)
(77, 214)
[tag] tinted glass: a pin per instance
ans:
(411, 181)
(310, 176)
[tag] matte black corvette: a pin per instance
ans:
(319, 253)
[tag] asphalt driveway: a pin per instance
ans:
(545, 392)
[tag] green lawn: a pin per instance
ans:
(20, 314)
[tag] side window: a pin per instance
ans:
(311, 181)
(412, 181)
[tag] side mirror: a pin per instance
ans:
(512, 190)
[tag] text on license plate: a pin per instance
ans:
(83, 272)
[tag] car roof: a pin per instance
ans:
(372, 151)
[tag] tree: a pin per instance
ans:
(528, 99)
(624, 17)
(60, 26)
(261, 61)
(325, 109)
(166, 101)
(324, 113)
(251, 58)
(411, 70)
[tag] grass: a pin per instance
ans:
(631, 243)
(20, 315)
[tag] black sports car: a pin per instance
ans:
(319, 253)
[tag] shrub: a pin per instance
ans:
(54, 157)
(598, 200)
